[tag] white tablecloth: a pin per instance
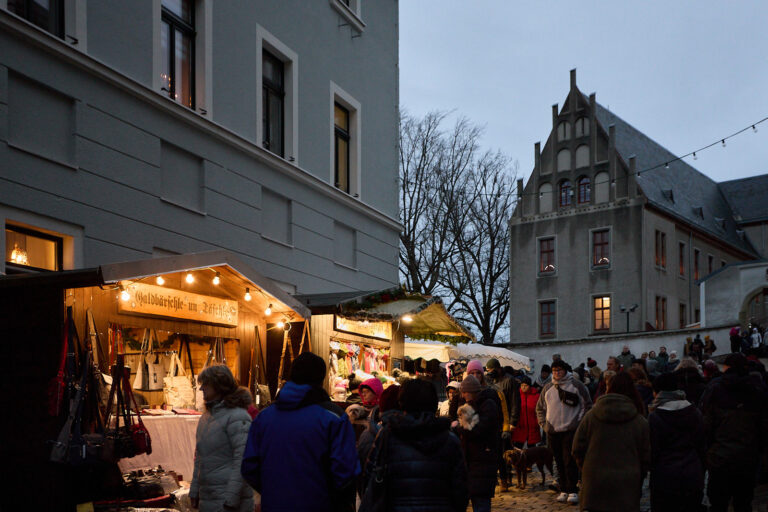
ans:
(173, 445)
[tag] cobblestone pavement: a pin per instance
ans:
(538, 497)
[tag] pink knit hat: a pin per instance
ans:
(374, 385)
(475, 365)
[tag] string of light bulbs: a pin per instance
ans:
(665, 163)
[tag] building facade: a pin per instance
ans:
(611, 233)
(155, 127)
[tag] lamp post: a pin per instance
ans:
(628, 310)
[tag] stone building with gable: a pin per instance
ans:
(612, 233)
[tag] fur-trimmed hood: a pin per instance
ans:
(241, 397)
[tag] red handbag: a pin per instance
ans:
(139, 433)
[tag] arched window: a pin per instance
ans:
(582, 127)
(565, 194)
(585, 190)
(602, 186)
(564, 160)
(545, 198)
(564, 131)
(582, 156)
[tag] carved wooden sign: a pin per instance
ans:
(147, 299)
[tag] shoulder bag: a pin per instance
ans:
(141, 381)
(178, 389)
(374, 498)
(155, 367)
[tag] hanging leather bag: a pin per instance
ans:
(178, 389)
(141, 382)
(215, 357)
(141, 440)
(155, 365)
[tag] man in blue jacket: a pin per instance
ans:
(301, 453)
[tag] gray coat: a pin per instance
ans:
(221, 436)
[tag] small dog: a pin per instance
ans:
(468, 417)
(524, 460)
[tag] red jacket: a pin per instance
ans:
(527, 427)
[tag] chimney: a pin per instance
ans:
(537, 158)
(573, 79)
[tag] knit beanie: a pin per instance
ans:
(374, 385)
(308, 368)
(475, 365)
(470, 384)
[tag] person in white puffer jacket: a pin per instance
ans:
(561, 406)
(221, 436)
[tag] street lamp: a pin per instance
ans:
(628, 310)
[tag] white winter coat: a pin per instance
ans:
(221, 437)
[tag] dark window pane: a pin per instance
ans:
(165, 49)
(342, 164)
(46, 14)
(276, 124)
(183, 71)
(181, 8)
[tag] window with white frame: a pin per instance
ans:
(277, 108)
(345, 141)
(350, 11)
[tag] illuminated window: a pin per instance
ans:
(177, 46)
(661, 249)
(546, 255)
(661, 313)
(601, 248)
(602, 313)
(27, 250)
(341, 147)
(681, 259)
(696, 255)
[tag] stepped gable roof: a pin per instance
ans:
(681, 190)
(748, 198)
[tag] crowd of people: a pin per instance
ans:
(679, 422)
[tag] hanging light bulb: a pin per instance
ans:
(281, 324)
(217, 279)
(407, 319)
(666, 165)
(268, 311)
(159, 280)
(124, 295)
(247, 296)
(723, 141)
(694, 156)
(754, 129)
(190, 278)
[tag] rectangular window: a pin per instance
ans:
(681, 259)
(273, 106)
(601, 248)
(177, 45)
(661, 313)
(27, 250)
(696, 255)
(601, 307)
(710, 263)
(546, 255)
(547, 318)
(341, 147)
(47, 14)
(661, 249)
(697, 315)
(683, 316)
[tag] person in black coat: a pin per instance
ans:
(425, 470)
(735, 408)
(677, 449)
(478, 428)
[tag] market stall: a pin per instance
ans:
(160, 318)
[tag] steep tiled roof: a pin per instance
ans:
(680, 190)
(748, 198)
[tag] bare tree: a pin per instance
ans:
(454, 206)
(477, 276)
(434, 168)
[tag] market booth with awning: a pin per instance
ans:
(366, 332)
(204, 308)
(445, 352)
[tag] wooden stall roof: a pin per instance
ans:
(236, 276)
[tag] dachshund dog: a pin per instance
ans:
(524, 460)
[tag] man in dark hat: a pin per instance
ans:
(301, 449)
(735, 409)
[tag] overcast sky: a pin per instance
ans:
(686, 73)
